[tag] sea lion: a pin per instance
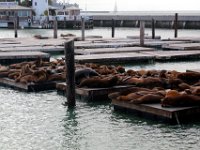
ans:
(172, 93)
(181, 101)
(151, 82)
(148, 98)
(84, 73)
(129, 97)
(189, 77)
(99, 82)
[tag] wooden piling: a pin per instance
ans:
(70, 79)
(65, 22)
(83, 28)
(176, 25)
(16, 25)
(55, 28)
(142, 25)
(113, 28)
(153, 29)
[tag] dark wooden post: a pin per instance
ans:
(83, 28)
(16, 24)
(55, 28)
(113, 28)
(153, 29)
(176, 25)
(65, 22)
(142, 25)
(70, 72)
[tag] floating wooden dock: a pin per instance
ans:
(182, 46)
(31, 87)
(157, 112)
(92, 94)
(161, 44)
(174, 55)
(49, 45)
(114, 58)
(193, 70)
(104, 45)
(14, 57)
(146, 37)
(187, 39)
(112, 50)
(46, 49)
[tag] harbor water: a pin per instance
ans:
(39, 121)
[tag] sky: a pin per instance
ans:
(136, 5)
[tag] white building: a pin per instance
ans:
(40, 6)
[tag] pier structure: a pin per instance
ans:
(162, 19)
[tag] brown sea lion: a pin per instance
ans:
(189, 77)
(99, 82)
(151, 82)
(181, 101)
(172, 93)
(27, 79)
(129, 97)
(57, 77)
(148, 98)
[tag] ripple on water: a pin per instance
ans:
(39, 121)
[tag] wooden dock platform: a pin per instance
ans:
(174, 55)
(46, 49)
(31, 87)
(193, 70)
(49, 45)
(14, 57)
(92, 94)
(182, 46)
(115, 58)
(162, 43)
(157, 112)
(105, 45)
(112, 50)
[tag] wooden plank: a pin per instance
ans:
(47, 49)
(146, 37)
(114, 58)
(160, 44)
(182, 46)
(30, 87)
(13, 57)
(174, 55)
(112, 50)
(193, 70)
(173, 114)
(105, 45)
(187, 39)
(31, 41)
(93, 93)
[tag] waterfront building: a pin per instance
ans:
(10, 10)
(40, 6)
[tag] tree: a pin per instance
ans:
(26, 3)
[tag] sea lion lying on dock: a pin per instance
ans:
(174, 98)
(139, 95)
(182, 100)
(97, 82)
(84, 73)
(189, 77)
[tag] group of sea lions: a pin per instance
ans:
(35, 71)
(170, 88)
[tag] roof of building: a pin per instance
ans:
(72, 8)
(16, 7)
